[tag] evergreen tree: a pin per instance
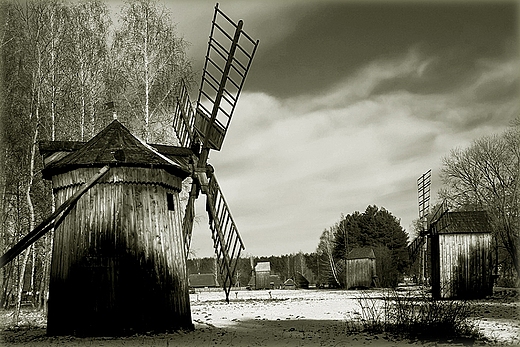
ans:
(379, 229)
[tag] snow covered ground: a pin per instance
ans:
(277, 318)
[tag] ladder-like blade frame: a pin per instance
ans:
(228, 59)
(439, 219)
(423, 193)
(415, 247)
(52, 221)
(226, 238)
(184, 119)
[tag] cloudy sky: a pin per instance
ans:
(348, 103)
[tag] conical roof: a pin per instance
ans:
(115, 146)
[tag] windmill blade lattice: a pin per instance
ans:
(228, 59)
(227, 63)
(423, 193)
(226, 239)
(184, 117)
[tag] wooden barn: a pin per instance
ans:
(203, 281)
(461, 256)
(118, 263)
(360, 266)
(262, 275)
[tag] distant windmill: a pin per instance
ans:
(228, 59)
(418, 247)
(459, 246)
(423, 192)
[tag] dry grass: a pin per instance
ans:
(417, 315)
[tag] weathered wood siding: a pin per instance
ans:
(360, 272)
(118, 264)
(262, 280)
(461, 265)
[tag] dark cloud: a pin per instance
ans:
(332, 40)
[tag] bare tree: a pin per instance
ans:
(485, 176)
(150, 60)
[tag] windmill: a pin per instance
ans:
(228, 59)
(417, 247)
(119, 233)
(428, 223)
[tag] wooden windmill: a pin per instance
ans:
(459, 245)
(419, 245)
(120, 245)
(228, 59)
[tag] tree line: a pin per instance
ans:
(66, 69)
(375, 228)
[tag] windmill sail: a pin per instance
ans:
(415, 246)
(228, 59)
(423, 193)
(184, 117)
(226, 239)
(227, 63)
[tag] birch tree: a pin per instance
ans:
(325, 251)
(150, 60)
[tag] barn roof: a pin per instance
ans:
(466, 222)
(202, 280)
(361, 253)
(263, 266)
(116, 146)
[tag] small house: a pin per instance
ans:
(289, 284)
(360, 267)
(262, 275)
(301, 281)
(203, 281)
(275, 282)
(461, 256)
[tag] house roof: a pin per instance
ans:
(466, 222)
(116, 146)
(289, 282)
(263, 266)
(361, 253)
(202, 280)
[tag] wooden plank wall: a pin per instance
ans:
(360, 272)
(461, 265)
(262, 280)
(118, 263)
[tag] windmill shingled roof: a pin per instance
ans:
(467, 222)
(361, 253)
(263, 266)
(117, 146)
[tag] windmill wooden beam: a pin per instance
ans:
(52, 221)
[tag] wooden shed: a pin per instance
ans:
(118, 259)
(289, 284)
(203, 281)
(360, 267)
(461, 256)
(262, 275)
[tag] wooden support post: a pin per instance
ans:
(53, 221)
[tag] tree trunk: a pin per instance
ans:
(30, 205)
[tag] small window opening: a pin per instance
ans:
(169, 199)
